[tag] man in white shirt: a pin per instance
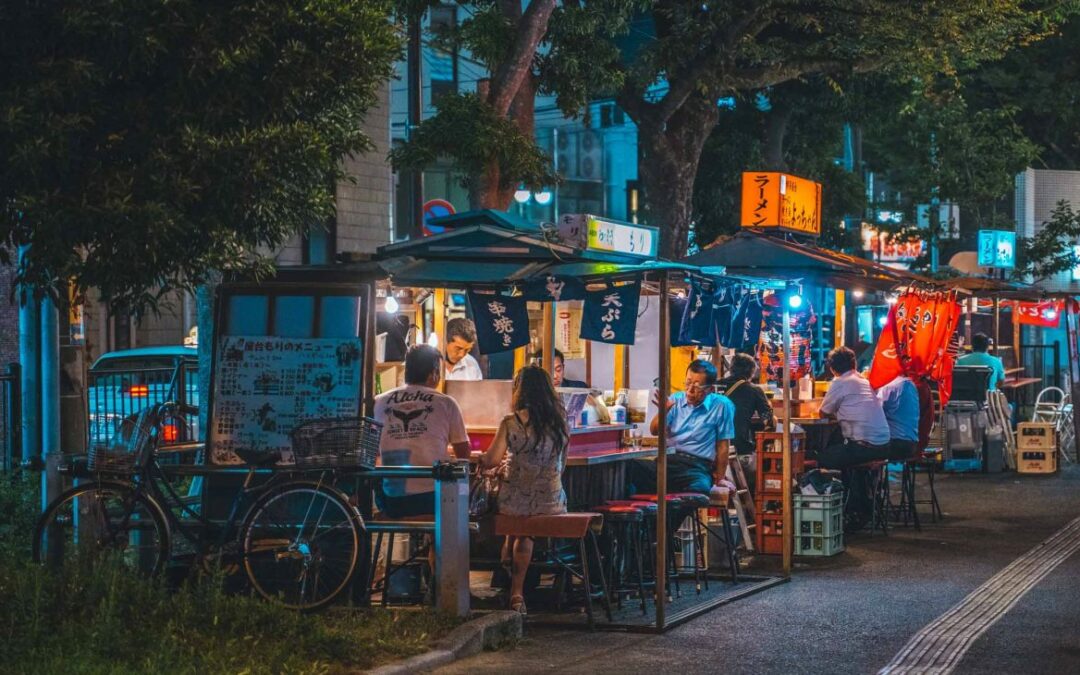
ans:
(852, 402)
(419, 424)
(460, 338)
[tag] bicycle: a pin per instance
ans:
(299, 540)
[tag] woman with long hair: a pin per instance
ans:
(535, 436)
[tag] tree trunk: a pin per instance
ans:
(775, 129)
(489, 190)
(668, 157)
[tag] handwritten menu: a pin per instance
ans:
(267, 386)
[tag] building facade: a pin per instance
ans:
(1038, 192)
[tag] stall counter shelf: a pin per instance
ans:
(589, 446)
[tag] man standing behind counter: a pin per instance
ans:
(700, 426)
(460, 338)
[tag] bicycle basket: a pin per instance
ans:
(337, 442)
(126, 448)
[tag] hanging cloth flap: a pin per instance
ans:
(1046, 314)
(771, 349)
(502, 322)
(746, 322)
(550, 288)
(677, 308)
(610, 315)
(722, 301)
(697, 327)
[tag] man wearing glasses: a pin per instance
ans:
(700, 426)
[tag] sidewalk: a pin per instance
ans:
(853, 612)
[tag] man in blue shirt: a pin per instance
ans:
(700, 426)
(978, 357)
(900, 403)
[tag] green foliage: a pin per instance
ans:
(148, 142)
(491, 138)
(99, 618)
(1051, 250)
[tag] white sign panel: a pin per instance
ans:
(267, 386)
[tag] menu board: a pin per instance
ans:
(264, 387)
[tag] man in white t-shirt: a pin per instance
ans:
(419, 425)
(460, 339)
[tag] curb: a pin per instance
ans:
(488, 631)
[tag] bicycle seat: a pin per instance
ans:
(258, 457)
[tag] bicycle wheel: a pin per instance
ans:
(301, 543)
(103, 519)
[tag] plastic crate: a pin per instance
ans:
(821, 546)
(964, 465)
(819, 515)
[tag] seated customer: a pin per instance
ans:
(536, 437)
(978, 357)
(557, 374)
(700, 426)
(900, 403)
(851, 401)
(749, 400)
(419, 423)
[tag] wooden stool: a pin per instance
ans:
(623, 524)
(573, 526)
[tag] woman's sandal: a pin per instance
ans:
(517, 604)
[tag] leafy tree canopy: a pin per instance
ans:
(148, 142)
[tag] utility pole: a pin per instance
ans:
(416, 107)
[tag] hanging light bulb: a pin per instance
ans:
(391, 304)
(543, 198)
(892, 299)
(857, 293)
(794, 301)
(882, 321)
(433, 340)
(521, 195)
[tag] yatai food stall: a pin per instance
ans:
(520, 284)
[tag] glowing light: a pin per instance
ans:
(857, 293)
(892, 299)
(391, 305)
(543, 198)
(521, 196)
(1050, 314)
(433, 340)
(882, 321)
(794, 301)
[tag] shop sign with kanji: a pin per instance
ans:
(781, 201)
(610, 314)
(502, 321)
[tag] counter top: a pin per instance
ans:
(573, 432)
(592, 457)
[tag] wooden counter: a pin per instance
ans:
(798, 408)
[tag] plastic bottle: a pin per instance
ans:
(806, 387)
(618, 411)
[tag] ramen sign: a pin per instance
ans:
(777, 200)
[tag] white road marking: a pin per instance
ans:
(940, 646)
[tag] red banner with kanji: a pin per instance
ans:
(1046, 314)
(916, 340)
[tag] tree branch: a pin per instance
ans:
(513, 70)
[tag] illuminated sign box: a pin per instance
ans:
(778, 200)
(603, 235)
(997, 248)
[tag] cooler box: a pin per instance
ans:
(1036, 448)
(964, 427)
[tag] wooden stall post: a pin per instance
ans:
(840, 327)
(547, 338)
(997, 325)
(438, 314)
(663, 391)
(786, 457)
(622, 366)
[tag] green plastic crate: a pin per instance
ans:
(811, 545)
(819, 524)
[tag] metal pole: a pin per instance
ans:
(415, 105)
(997, 324)
(50, 401)
(786, 440)
(663, 391)
(30, 358)
(14, 414)
(452, 539)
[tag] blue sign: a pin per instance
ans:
(502, 322)
(610, 315)
(997, 248)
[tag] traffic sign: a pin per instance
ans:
(436, 208)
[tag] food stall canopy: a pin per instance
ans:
(996, 288)
(487, 234)
(754, 254)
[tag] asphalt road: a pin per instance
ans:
(852, 613)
